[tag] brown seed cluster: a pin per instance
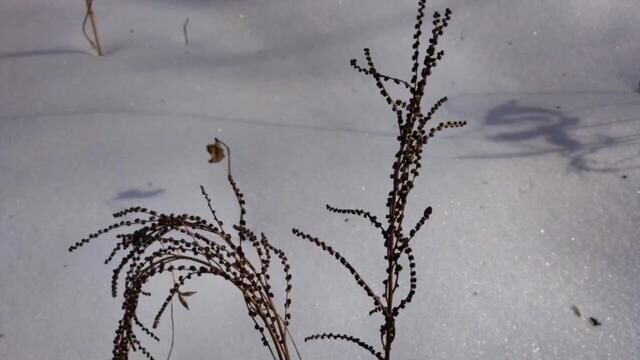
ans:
(188, 246)
(412, 137)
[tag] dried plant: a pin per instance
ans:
(412, 138)
(188, 246)
(90, 16)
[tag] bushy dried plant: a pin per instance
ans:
(191, 246)
(187, 246)
(412, 137)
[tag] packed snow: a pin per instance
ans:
(536, 202)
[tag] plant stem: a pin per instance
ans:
(94, 27)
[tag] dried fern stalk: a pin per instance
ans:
(412, 137)
(186, 246)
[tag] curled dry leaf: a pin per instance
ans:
(216, 151)
(182, 296)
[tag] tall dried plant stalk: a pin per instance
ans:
(412, 137)
(187, 246)
(90, 16)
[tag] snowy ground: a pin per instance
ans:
(536, 202)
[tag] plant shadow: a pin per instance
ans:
(42, 52)
(277, 124)
(306, 49)
(135, 194)
(529, 126)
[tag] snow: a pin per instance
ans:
(536, 202)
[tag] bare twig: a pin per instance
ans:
(184, 30)
(90, 16)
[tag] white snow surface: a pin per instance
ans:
(536, 202)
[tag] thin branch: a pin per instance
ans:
(328, 249)
(348, 338)
(365, 214)
(90, 16)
